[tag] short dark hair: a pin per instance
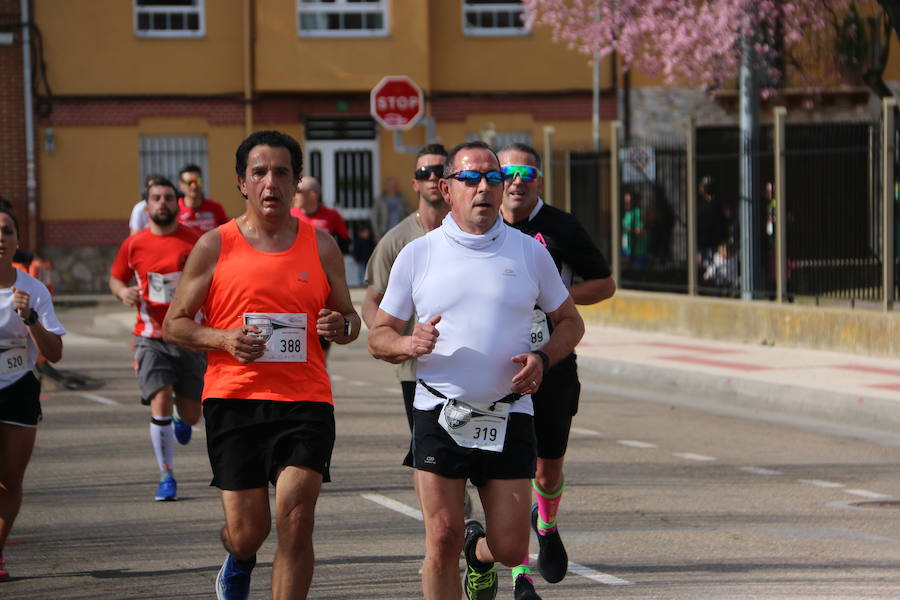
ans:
(437, 149)
(451, 156)
(189, 168)
(273, 139)
(522, 147)
(159, 180)
(7, 209)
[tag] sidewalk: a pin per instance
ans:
(841, 388)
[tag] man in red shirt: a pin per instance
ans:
(167, 374)
(194, 210)
(308, 207)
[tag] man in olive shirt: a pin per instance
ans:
(430, 213)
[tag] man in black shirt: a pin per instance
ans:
(586, 273)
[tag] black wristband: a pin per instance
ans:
(31, 319)
(347, 327)
(545, 360)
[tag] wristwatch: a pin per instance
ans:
(346, 327)
(31, 319)
(544, 359)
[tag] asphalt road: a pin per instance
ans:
(664, 500)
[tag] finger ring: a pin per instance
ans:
(534, 383)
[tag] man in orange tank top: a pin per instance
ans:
(268, 285)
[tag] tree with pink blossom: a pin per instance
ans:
(699, 42)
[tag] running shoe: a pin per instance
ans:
(479, 586)
(4, 574)
(233, 580)
(553, 561)
(524, 589)
(183, 431)
(167, 490)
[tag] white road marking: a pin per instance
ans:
(394, 505)
(692, 456)
(336, 378)
(604, 578)
(358, 383)
(393, 390)
(591, 574)
(636, 444)
(98, 398)
(759, 471)
(821, 483)
(581, 431)
(866, 494)
(74, 339)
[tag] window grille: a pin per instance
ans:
(166, 155)
(342, 18)
(169, 18)
(493, 17)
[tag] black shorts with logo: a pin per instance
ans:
(248, 441)
(20, 402)
(555, 403)
(432, 449)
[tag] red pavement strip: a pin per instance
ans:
(694, 348)
(879, 370)
(723, 364)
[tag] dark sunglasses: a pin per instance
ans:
(474, 177)
(425, 173)
(526, 173)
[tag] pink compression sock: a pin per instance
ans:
(548, 506)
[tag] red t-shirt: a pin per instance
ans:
(326, 219)
(208, 215)
(156, 262)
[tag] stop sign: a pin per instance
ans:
(397, 102)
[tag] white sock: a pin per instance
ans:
(162, 435)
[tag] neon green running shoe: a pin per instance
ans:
(479, 586)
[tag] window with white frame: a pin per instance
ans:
(169, 18)
(493, 17)
(342, 18)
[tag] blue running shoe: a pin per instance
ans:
(167, 490)
(183, 431)
(233, 580)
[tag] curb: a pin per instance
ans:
(706, 391)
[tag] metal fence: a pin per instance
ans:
(816, 221)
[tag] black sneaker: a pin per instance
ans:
(552, 562)
(479, 585)
(524, 590)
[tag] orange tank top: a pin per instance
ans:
(247, 280)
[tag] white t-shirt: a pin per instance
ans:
(139, 217)
(13, 332)
(485, 299)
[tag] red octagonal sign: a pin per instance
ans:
(397, 102)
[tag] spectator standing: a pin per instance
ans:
(388, 209)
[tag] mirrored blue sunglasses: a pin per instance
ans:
(474, 177)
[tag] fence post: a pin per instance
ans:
(780, 113)
(549, 130)
(691, 177)
(889, 105)
(615, 225)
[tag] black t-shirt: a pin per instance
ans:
(574, 252)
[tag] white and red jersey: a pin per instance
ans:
(156, 262)
(208, 215)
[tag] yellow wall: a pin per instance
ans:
(501, 63)
(287, 62)
(91, 49)
(81, 181)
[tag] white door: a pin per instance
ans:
(349, 172)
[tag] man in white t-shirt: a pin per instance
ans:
(473, 284)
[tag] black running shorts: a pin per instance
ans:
(432, 449)
(409, 396)
(248, 441)
(160, 364)
(555, 403)
(20, 402)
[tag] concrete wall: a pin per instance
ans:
(857, 330)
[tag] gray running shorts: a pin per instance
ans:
(160, 364)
